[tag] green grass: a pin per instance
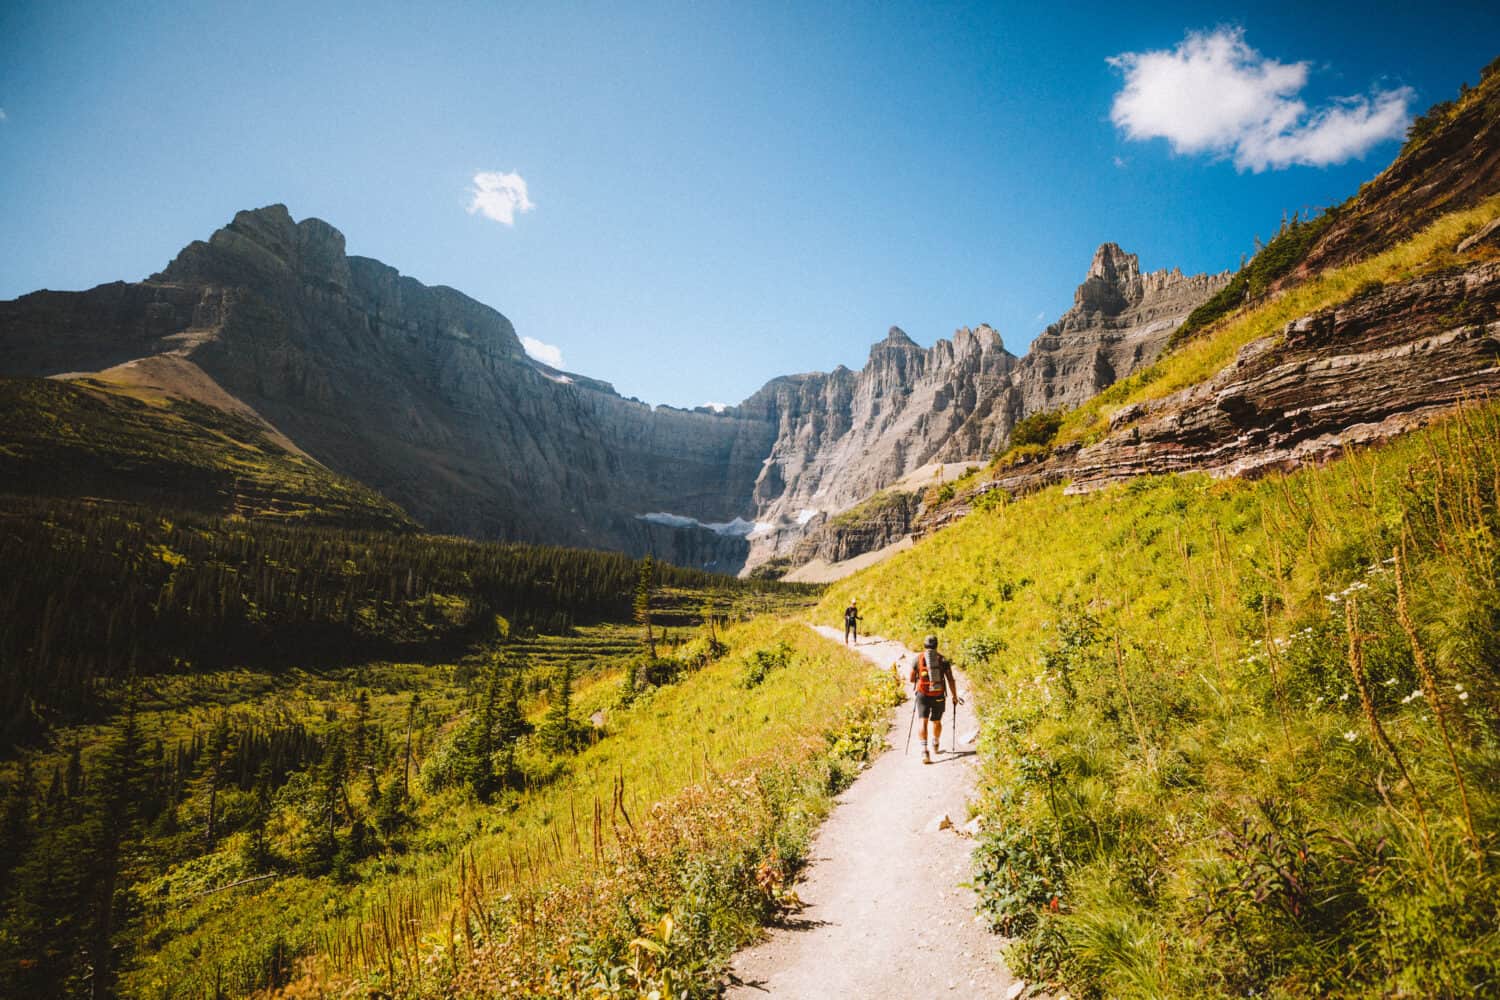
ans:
(675, 748)
(1184, 792)
(90, 438)
(1211, 350)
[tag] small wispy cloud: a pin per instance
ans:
(1039, 317)
(3, 115)
(1215, 94)
(1121, 162)
(545, 353)
(717, 407)
(498, 196)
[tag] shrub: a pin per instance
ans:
(1038, 429)
(980, 648)
(761, 662)
(933, 614)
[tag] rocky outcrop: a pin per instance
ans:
(883, 519)
(1365, 371)
(1120, 322)
(1452, 162)
(845, 435)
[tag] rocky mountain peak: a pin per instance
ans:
(1113, 283)
(264, 243)
(896, 342)
(1119, 322)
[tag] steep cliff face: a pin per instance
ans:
(420, 392)
(1119, 322)
(845, 435)
(1358, 373)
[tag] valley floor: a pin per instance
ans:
(889, 913)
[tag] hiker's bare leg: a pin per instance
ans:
(937, 734)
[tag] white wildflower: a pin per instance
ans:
(1463, 696)
(1351, 735)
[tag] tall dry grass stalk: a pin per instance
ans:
(1357, 668)
(1433, 693)
(1271, 656)
(1135, 720)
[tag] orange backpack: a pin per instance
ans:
(930, 681)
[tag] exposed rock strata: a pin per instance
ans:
(1120, 322)
(880, 521)
(1361, 372)
(845, 435)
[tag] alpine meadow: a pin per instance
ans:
(352, 644)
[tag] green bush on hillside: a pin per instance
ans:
(1037, 430)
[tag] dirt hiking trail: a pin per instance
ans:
(886, 915)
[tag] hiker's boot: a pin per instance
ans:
(926, 757)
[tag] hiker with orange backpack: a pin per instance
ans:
(933, 677)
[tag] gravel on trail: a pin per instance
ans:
(887, 913)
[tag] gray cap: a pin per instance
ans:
(931, 642)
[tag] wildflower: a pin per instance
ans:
(1463, 696)
(1389, 681)
(1332, 598)
(1344, 696)
(1459, 688)
(1350, 735)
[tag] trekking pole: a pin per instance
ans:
(909, 726)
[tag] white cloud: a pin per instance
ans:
(498, 196)
(3, 115)
(1121, 162)
(545, 353)
(1039, 317)
(1214, 94)
(717, 407)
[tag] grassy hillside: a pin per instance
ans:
(92, 438)
(1243, 738)
(234, 784)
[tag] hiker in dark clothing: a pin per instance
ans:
(933, 677)
(851, 621)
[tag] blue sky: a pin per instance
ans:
(718, 193)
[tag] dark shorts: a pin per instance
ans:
(930, 707)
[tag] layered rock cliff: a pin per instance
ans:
(1119, 322)
(845, 435)
(1355, 374)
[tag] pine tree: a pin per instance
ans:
(642, 607)
(559, 733)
